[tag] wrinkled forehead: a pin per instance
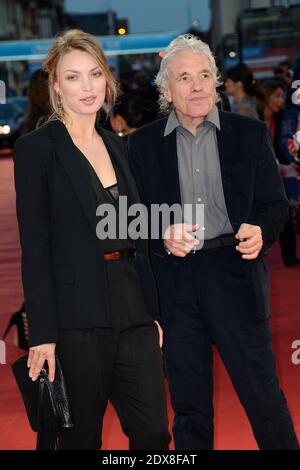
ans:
(188, 61)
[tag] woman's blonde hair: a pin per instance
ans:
(75, 39)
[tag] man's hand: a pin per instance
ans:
(179, 241)
(161, 335)
(37, 357)
(251, 241)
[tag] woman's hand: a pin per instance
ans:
(36, 360)
(161, 334)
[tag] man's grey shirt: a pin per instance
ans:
(200, 173)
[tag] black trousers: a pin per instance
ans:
(215, 303)
(122, 364)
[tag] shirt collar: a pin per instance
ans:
(173, 122)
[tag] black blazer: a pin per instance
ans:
(63, 269)
(252, 187)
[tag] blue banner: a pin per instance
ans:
(37, 49)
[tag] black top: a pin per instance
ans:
(109, 195)
(113, 191)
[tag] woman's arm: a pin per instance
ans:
(32, 191)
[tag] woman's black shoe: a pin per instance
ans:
(19, 319)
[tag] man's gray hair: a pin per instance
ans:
(179, 44)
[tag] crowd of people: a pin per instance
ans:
(268, 100)
(271, 101)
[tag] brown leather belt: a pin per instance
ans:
(122, 254)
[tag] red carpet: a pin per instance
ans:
(232, 428)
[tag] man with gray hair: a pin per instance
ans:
(217, 291)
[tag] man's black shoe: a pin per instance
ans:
(292, 262)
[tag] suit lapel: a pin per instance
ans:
(66, 151)
(170, 163)
(225, 139)
(120, 157)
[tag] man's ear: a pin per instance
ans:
(168, 95)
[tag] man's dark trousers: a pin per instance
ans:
(216, 303)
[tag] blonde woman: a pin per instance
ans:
(91, 301)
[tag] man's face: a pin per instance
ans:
(191, 86)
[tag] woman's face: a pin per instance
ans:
(80, 83)
(231, 87)
(276, 100)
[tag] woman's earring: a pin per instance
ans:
(60, 108)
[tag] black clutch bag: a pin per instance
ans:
(47, 403)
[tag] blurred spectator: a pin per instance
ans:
(290, 123)
(39, 104)
(289, 116)
(294, 150)
(294, 145)
(270, 108)
(296, 69)
(10, 92)
(224, 103)
(144, 90)
(285, 73)
(271, 103)
(131, 112)
(241, 85)
(290, 120)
